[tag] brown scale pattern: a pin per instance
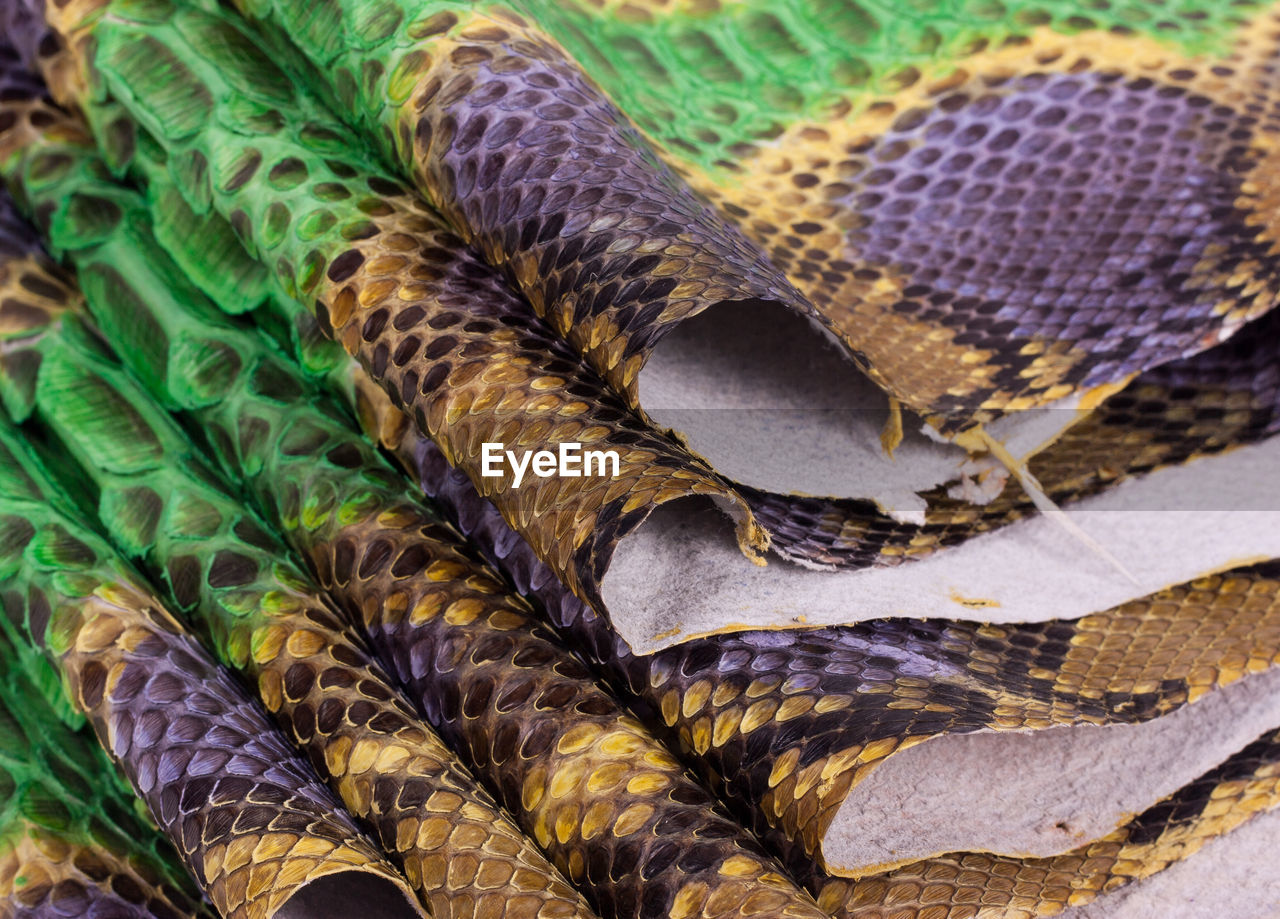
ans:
(64, 878)
(33, 290)
(617, 812)
(975, 886)
(610, 247)
(456, 349)
(651, 819)
(785, 723)
(253, 825)
(31, 286)
(456, 846)
(653, 842)
(451, 342)
(1100, 174)
(45, 51)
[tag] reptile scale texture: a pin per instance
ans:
(71, 841)
(249, 819)
(511, 697)
(262, 830)
(223, 569)
(479, 104)
(392, 306)
(1229, 626)
(455, 223)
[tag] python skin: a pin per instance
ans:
(167, 509)
(645, 839)
(71, 841)
(250, 820)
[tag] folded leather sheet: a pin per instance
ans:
(168, 509)
(1174, 829)
(1097, 801)
(791, 723)
(786, 668)
(491, 118)
(994, 207)
(1107, 351)
(1116, 772)
(1105, 818)
(582, 527)
(1228, 873)
(563, 755)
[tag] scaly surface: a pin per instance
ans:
(1099, 142)
(165, 508)
(71, 841)
(786, 723)
(968, 886)
(616, 811)
(851, 533)
(845, 736)
(805, 706)
(1199, 406)
(158, 703)
(451, 342)
(534, 167)
(251, 821)
(1124, 150)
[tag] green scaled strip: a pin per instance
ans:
(71, 842)
(263, 831)
(293, 328)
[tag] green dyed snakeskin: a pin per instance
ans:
(452, 344)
